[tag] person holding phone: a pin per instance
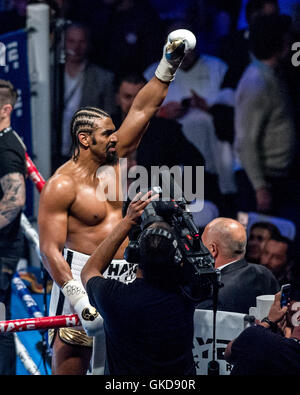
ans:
(272, 346)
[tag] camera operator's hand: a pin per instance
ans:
(137, 206)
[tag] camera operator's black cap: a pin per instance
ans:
(165, 251)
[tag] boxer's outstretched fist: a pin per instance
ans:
(179, 42)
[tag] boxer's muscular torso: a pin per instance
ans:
(75, 215)
(91, 217)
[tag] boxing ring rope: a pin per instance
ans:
(25, 358)
(34, 174)
(23, 293)
(38, 323)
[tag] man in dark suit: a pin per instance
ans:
(226, 240)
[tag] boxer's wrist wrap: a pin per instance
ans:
(74, 291)
(168, 65)
(179, 43)
(89, 317)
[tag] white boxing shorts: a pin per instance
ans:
(119, 270)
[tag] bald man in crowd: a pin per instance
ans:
(226, 240)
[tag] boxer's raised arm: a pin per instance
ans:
(151, 96)
(55, 201)
(144, 107)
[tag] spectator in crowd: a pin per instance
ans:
(226, 240)
(264, 124)
(85, 84)
(258, 351)
(259, 233)
(164, 143)
(278, 256)
(12, 201)
(234, 51)
(149, 323)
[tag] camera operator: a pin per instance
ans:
(148, 323)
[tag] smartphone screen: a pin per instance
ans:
(285, 294)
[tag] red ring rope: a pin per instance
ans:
(34, 174)
(32, 324)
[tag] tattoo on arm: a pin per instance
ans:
(13, 187)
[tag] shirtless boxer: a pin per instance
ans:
(73, 220)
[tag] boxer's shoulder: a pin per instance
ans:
(64, 177)
(60, 186)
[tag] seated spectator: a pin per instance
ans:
(257, 351)
(85, 84)
(226, 240)
(259, 233)
(278, 256)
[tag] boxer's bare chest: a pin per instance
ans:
(98, 201)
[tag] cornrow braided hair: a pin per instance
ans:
(83, 121)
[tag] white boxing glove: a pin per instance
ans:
(90, 319)
(179, 42)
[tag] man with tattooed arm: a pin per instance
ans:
(12, 200)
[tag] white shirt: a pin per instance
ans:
(226, 264)
(205, 78)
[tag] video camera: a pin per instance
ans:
(198, 276)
